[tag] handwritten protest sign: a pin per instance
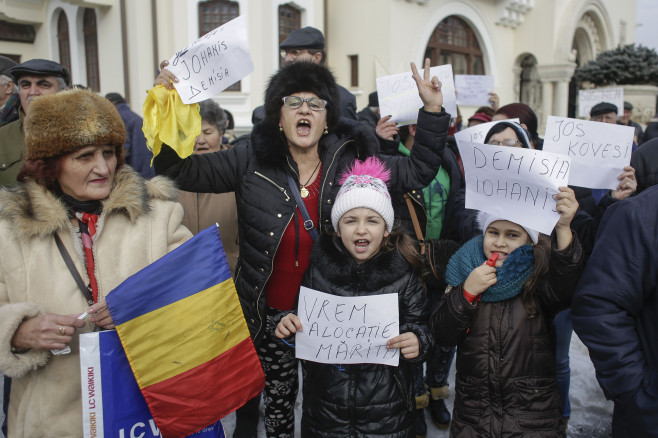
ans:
(477, 133)
(212, 63)
(347, 330)
(598, 151)
(588, 98)
(474, 89)
(516, 183)
(398, 95)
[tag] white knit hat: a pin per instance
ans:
(485, 219)
(364, 185)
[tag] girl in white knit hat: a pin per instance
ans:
(365, 256)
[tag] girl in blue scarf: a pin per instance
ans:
(499, 315)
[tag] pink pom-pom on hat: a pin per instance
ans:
(364, 185)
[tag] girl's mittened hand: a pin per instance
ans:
(566, 206)
(480, 279)
(407, 343)
(289, 324)
(428, 90)
(165, 78)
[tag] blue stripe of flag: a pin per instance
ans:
(194, 266)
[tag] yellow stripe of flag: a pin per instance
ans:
(197, 329)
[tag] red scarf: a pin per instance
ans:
(88, 230)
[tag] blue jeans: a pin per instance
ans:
(563, 331)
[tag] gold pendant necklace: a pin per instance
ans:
(303, 191)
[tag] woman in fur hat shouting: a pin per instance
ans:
(75, 201)
(285, 181)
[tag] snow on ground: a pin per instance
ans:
(591, 412)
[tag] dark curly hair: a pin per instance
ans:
(302, 77)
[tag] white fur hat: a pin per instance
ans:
(364, 185)
(484, 219)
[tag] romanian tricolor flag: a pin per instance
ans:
(184, 333)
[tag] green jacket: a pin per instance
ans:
(12, 151)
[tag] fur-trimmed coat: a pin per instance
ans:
(140, 223)
(364, 399)
(257, 173)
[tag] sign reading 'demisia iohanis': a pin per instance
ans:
(588, 98)
(515, 183)
(212, 63)
(598, 151)
(474, 89)
(398, 94)
(477, 133)
(347, 330)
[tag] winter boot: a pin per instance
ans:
(421, 404)
(438, 410)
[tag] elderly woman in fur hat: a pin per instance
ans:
(75, 191)
(299, 150)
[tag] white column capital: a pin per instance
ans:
(556, 72)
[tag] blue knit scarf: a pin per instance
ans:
(511, 276)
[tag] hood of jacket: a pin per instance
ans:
(36, 212)
(336, 265)
(271, 147)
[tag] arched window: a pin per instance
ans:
(290, 18)
(91, 49)
(213, 14)
(454, 42)
(530, 84)
(63, 40)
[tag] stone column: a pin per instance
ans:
(558, 93)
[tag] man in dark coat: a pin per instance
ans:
(369, 115)
(645, 162)
(137, 154)
(614, 313)
(625, 120)
(9, 100)
(307, 45)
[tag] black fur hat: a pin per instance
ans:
(302, 77)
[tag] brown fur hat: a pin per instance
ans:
(58, 124)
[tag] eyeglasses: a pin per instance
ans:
(314, 103)
(509, 142)
(293, 52)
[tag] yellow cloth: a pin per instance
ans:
(168, 120)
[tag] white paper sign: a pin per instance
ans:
(347, 330)
(212, 63)
(588, 98)
(474, 89)
(398, 95)
(477, 133)
(598, 151)
(515, 183)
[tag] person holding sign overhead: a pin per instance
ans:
(366, 256)
(285, 181)
(506, 286)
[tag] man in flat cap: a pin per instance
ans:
(604, 112)
(626, 121)
(34, 78)
(307, 45)
(9, 101)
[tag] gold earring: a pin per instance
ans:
(325, 131)
(280, 128)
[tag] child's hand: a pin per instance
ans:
(480, 279)
(288, 325)
(566, 205)
(407, 343)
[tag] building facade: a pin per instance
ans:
(531, 47)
